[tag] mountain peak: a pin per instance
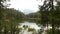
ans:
(27, 11)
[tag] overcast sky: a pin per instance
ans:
(24, 5)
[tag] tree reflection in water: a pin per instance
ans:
(33, 28)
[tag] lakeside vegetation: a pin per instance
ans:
(10, 18)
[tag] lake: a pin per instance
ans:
(37, 28)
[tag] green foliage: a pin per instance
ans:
(33, 15)
(25, 26)
(9, 19)
(50, 14)
(57, 31)
(30, 29)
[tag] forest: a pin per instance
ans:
(48, 14)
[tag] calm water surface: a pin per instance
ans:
(34, 26)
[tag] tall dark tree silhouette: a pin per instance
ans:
(47, 13)
(1, 15)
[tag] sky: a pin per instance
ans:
(25, 6)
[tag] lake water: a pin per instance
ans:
(34, 26)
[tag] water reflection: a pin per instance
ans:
(30, 24)
(37, 29)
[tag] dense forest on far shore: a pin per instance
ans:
(48, 14)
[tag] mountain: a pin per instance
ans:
(27, 11)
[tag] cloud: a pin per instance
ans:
(25, 4)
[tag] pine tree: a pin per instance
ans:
(2, 16)
(47, 13)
